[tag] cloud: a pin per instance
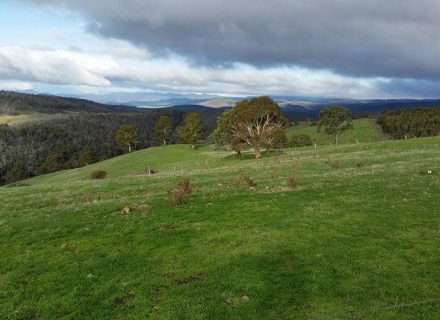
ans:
(111, 70)
(358, 38)
(53, 66)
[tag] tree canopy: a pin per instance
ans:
(163, 130)
(410, 123)
(128, 135)
(334, 121)
(256, 123)
(192, 130)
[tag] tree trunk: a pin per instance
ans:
(257, 153)
(129, 148)
(164, 142)
(336, 139)
(193, 146)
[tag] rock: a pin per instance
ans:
(229, 301)
(91, 276)
(150, 170)
(126, 210)
(244, 299)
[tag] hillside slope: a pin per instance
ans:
(364, 130)
(15, 103)
(359, 233)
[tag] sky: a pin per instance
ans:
(361, 49)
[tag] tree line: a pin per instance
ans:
(84, 138)
(410, 123)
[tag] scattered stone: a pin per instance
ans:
(126, 210)
(244, 299)
(150, 170)
(149, 196)
(229, 301)
(156, 308)
(91, 276)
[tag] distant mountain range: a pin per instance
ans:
(295, 107)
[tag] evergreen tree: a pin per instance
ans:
(192, 130)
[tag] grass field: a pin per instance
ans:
(356, 242)
(365, 130)
(25, 118)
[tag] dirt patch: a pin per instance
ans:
(187, 280)
(124, 302)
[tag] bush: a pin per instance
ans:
(178, 195)
(336, 164)
(360, 164)
(292, 182)
(246, 180)
(98, 174)
(300, 140)
(185, 186)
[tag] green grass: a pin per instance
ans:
(345, 242)
(26, 118)
(365, 130)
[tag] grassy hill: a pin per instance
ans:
(26, 118)
(365, 130)
(358, 237)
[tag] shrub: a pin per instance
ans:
(360, 164)
(98, 174)
(248, 181)
(178, 195)
(300, 140)
(185, 186)
(292, 182)
(336, 164)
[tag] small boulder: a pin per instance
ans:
(244, 299)
(150, 170)
(126, 210)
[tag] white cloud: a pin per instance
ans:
(115, 71)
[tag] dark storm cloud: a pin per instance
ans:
(393, 38)
(410, 88)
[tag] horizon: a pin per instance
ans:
(127, 50)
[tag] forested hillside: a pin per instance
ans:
(411, 123)
(14, 103)
(48, 146)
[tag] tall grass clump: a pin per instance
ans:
(178, 195)
(98, 174)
